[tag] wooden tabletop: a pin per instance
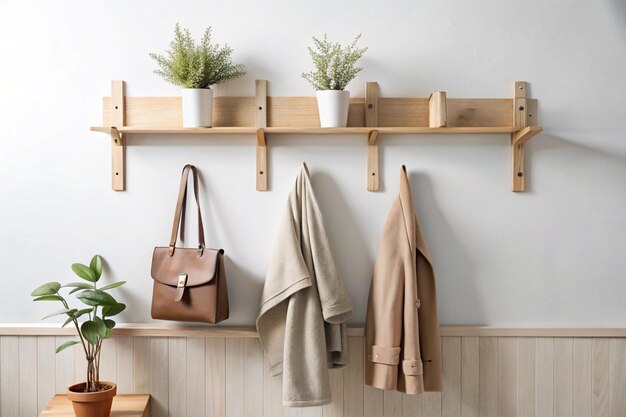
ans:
(124, 405)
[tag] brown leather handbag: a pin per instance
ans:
(189, 283)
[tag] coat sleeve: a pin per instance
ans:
(383, 328)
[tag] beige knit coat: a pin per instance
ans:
(402, 342)
(305, 304)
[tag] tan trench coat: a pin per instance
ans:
(402, 341)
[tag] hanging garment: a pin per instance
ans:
(305, 305)
(402, 342)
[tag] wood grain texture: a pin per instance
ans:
(196, 377)
(617, 381)
(523, 376)
(215, 377)
(488, 387)
(177, 376)
(544, 371)
(526, 368)
(451, 395)
(45, 370)
(9, 375)
(470, 377)
(235, 377)
(507, 377)
(159, 381)
(581, 373)
(123, 406)
(563, 357)
(27, 382)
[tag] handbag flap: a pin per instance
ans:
(200, 269)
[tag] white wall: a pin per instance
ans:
(555, 254)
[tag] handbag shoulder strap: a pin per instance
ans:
(179, 213)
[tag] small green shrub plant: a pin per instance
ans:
(96, 323)
(335, 65)
(191, 65)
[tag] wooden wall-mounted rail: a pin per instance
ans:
(373, 115)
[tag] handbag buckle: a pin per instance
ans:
(180, 288)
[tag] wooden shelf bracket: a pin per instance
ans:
(524, 132)
(371, 120)
(118, 145)
(261, 143)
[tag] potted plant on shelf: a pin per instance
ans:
(92, 398)
(196, 68)
(335, 67)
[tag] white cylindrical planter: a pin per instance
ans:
(197, 107)
(333, 106)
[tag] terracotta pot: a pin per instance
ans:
(92, 404)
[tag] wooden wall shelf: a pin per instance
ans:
(371, 116)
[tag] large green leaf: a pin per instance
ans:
(110, 311)
(48, 288)
(49, 298)
(101, 326)
(76, 290)
(108, 334)
(82, 312)
(68, 321)
(59, 312)
(114, 285)
(81, 285)
(109, 323)
(89, 330)
(96, 266)
(96, 298)
(66, 345)
(84, 272)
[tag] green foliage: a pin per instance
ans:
(196, 66)
(335, 65)
(95, 328)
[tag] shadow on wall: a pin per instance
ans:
(618, 8)
(458, 299)
(353, 258)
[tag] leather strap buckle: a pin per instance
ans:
(180, 288)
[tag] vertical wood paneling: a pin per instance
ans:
(488, 385)
(196, 390)
(600, 377)
(235, 375)
(470, 377)
(564, 385)
(411, 405)
(9, 375)
(45, 370)
(392, 401)
(617, 377)
(80, 362)
(526, 377)
(108, 360)
(431, 404)
(215, 377)
(507, 376)
(142, 364)
(544, 371)
(253, 378)
(353, 379)
(335, 408)
(273, 396)
(64, 366)
(582, 378)
(177, 384)
(124, 364)
(451, 395)
(27, 376)
(159, 381)
(373, 402)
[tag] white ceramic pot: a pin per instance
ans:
(197, 107)
(333, 106)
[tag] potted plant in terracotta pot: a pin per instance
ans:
(335, 67)
(92, 398)
(196, 68)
